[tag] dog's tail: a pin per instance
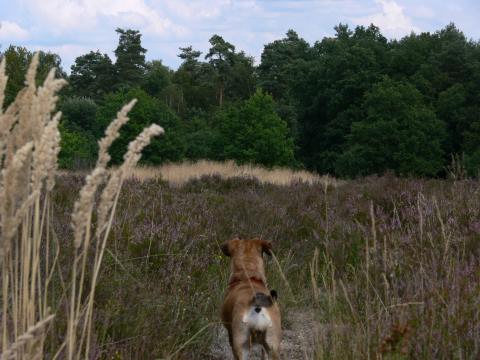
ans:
(258, 317)
(262, 300)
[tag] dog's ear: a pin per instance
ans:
(266, 247)
(226, 248)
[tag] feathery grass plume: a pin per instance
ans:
(45, 157)
(107, 206)
(10, 199)
(29, 140)
(27, 110)
(82, 224)
(131, 158)
(3, 83)
(23, 339)
(81, 310)
(84, 205)
(6, 120)
(29, 147)
(112, 132)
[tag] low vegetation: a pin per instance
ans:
(389, 267)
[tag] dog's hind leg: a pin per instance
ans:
(272, 344)
(241, 344)
(241, 351)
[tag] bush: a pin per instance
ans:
(399, 133)
(148, 110)
(78, 149)
(80, 113)
(253, 133)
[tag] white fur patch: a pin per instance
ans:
(257, 321)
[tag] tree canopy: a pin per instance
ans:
(351, 104)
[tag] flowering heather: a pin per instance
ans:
(387, 267)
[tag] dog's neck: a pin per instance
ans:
(235, 280)
(247, 268)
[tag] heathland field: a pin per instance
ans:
(379, 267)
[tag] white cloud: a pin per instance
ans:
(421, 11)
(87, 14)
(391, 20)
(12, 31)
(195, 10)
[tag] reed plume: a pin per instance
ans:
(29, 148)
(29, 144)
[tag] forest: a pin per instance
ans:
(350, 105)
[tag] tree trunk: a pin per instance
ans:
(220, 95)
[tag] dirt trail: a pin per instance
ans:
(297, 343)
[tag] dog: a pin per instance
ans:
(250, 312)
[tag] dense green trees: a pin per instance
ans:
(341, 71)
(157, 78)
(78, 148)
(195, 79)
(233, 72)
(351, 104)
(148, 110)
(130, 65)
(79, 130)
(254, 133)
(17, 60)
(396, 132)
(92, 75)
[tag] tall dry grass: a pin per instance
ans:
(29, 249)
(413, 290)
(180, 174)
(29, 144)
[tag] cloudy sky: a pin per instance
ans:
(74, 27)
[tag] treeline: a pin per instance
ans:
(350, 105)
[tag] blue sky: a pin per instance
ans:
(74, 27)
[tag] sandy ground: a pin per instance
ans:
(297, 343)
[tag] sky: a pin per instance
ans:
(72, 28)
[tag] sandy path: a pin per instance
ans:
(297, 342)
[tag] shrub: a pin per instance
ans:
(399, 133)
(253, 133)
(148, 110)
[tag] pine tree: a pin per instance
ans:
(130, 65)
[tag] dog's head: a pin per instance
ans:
(246, 248)
(247, 259)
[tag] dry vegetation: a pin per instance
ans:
(29, 249)
(180, 174)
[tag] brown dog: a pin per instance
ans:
(249, 312)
